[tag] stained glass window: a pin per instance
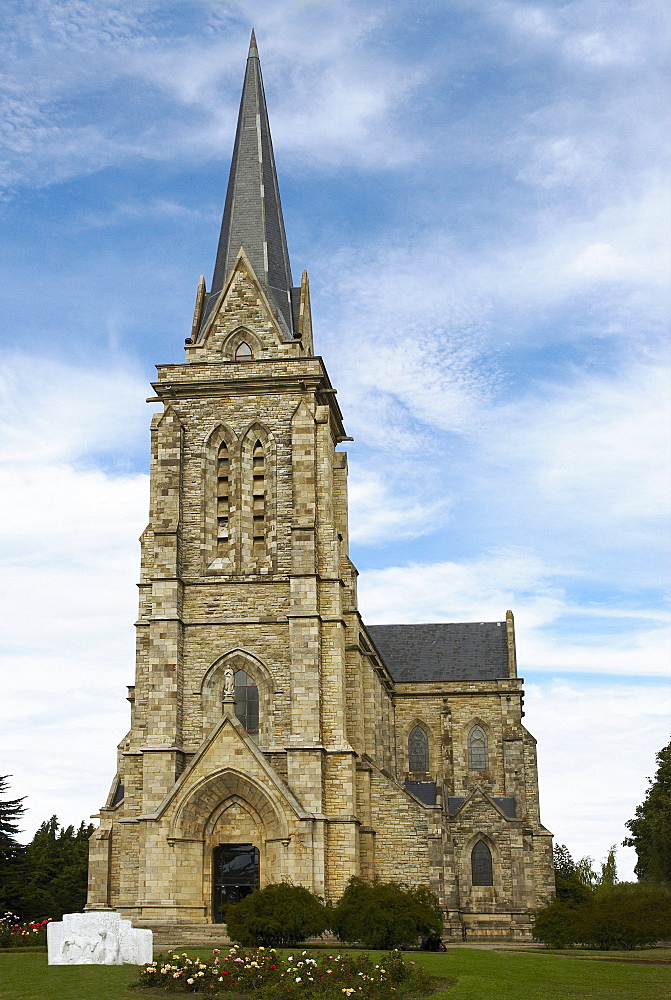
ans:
(247, 703)
(418, 750)
(477, 749)
(481, 865)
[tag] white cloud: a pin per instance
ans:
(596, 745)
(57, 412)
(68, 534)
(628, 641)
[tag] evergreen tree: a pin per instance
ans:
(48, 877)
(11, 811)
(651, 827)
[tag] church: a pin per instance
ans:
(273, 734)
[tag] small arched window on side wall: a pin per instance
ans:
(418, 750)
(243, 352)
(247, 703)
(477, 749)
(482, 872)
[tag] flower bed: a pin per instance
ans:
(265, 975)
(16, 933)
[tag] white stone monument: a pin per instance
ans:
(97, 939)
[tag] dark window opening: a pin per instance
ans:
(481, 865)
(236, 874)
(118, 794)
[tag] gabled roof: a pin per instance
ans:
(443, 652)
(252, 212)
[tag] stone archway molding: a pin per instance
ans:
(210, 796)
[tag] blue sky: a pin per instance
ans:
(479, 193)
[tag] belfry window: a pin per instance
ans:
(223, 500)
(258, 498)
(477, 749)
(247, 703)
(243, 352)
(418, 750)
(481, 865)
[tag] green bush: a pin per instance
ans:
(277, 915)
(627, 915)
(556, 925)
(385, 915)
(622, 916)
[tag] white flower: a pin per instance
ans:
(298, 979)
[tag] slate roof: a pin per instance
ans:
(443, 652)
(252, 212)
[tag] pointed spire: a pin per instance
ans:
(253, 212)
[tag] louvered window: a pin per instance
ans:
(223, 500)
(258, 499)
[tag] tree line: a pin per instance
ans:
(48, 876)
(592, 908)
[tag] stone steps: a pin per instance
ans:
(187, 935)
(181, 936)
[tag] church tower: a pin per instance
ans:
(270, 736)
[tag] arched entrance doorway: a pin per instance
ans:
(236, 874)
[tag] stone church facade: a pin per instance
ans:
(273, 735)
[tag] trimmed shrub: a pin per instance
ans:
(277, 915)
(385, 915)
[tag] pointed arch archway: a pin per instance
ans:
(212, 689)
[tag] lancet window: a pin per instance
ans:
(477, 749)
(223, 501)
(482, 872)
(418, 750)
(247, 703)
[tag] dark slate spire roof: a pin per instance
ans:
(451, 652)
(252, 211)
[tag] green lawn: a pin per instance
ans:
(480, 975)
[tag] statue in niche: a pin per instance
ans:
(229, 683)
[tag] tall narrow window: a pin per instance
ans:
(247, 703)
(477, 749)
(243, 352)
(481, 865)
(258, 499)
(223, 501)
(418, 750)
